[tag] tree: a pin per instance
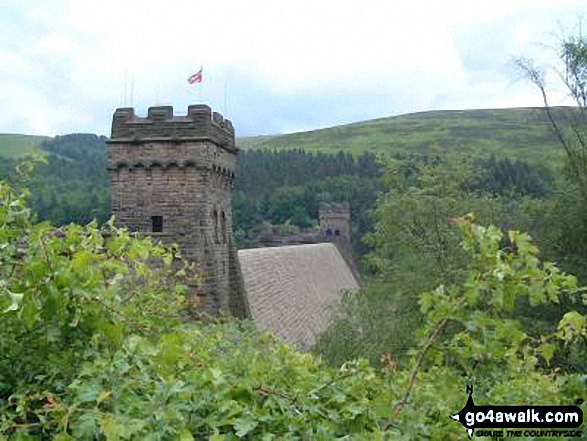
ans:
(567, 235)
(569, 124)
(415, 248)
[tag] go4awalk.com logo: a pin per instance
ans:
(520, 421)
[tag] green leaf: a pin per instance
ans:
(547, 351)
(16, 299)
(185, 435)
(217, 376)
(22, 435)
(90, 392)
(111, 428)
(244, 425)
(81, 261)
(29, 314)
(85, 427)
(572, 325)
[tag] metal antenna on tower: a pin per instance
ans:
(132, 86)
(125, 83)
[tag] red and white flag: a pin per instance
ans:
(196, 78)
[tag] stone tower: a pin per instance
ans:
(335, 220)
(171, 178)
(335, 226)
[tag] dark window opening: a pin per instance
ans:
(157, 224)
(337, 232)
(329, 232)
(223, 227)
(216, 226)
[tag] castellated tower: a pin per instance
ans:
(171, 178)
(335, 225)
(335, 220)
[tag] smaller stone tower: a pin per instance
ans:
(171, 178)
(335, 220)
(335, 227)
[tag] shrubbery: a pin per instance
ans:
(92, 346)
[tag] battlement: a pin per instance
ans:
(199, 124)
(342, 209)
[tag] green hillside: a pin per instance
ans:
(522, 133)
(12, 146)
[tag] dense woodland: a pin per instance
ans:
(475, 269)
(271, 187)
(286, 188)
(69, 182)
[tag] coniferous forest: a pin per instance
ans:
(71, 185)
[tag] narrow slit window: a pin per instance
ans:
(157, 224)
(216, 226)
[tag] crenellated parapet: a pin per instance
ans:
(335, 221)
(200, 124)
(171, 177)
(335, 210)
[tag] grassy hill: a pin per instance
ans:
(522, 133)
(12, 146)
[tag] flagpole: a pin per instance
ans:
(201, 83)
(196, 78)
(125, 84)
(132, 88)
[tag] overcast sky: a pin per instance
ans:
(271, 66)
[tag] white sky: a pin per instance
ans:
(270, 66)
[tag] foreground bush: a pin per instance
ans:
(92, 347)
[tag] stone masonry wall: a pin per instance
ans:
(181, 169)
(335, 220)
